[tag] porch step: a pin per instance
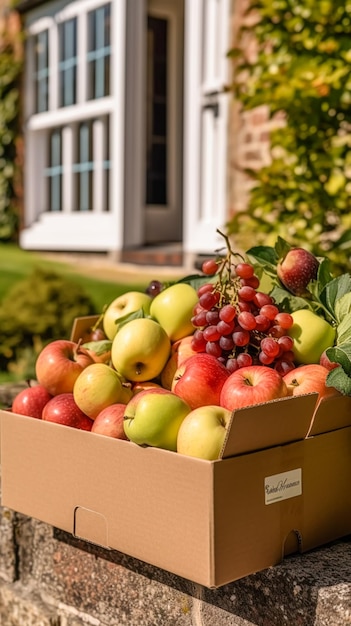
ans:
(166, 254)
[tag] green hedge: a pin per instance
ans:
(303, 70)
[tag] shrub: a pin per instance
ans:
(34, 311)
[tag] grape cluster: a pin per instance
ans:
(237, 323)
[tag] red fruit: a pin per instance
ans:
(31, 401)
(310, 378)
(59, 364)
(297, 269)
(62, 409)
(199, 380)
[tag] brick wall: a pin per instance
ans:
(249, 131)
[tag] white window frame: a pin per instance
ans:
(69, 229)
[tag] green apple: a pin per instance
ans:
(140, 349)
(312, 334)
(173, 309)
(99, 386)
(203, 431)
(125, 304)
(153, 417)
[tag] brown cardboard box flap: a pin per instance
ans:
(331, 414)
(82, 325)
(270, 424)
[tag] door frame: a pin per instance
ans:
(153, 224)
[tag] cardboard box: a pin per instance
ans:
(283, 485)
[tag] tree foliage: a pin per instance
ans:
(302, 69)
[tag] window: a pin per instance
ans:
(87, 174)
(99, 52)
(68, 62)
(41, 47)
(71, 60)
(54, 171)
(156, 110)
(84, 167)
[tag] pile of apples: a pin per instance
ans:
(140, 376)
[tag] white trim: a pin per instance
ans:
(98, 172)
(67, 162)
(75, 113)
(205, 149)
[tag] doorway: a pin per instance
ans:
(164, 122)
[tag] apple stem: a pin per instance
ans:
(248, 382)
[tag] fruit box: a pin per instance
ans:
(281, 486)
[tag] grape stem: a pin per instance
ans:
(227, 287)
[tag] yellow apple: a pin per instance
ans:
(140, 349)
(173, 308)
(97, 387)
(312, 334)
(203, 431)
(153, 417)
(125, 304)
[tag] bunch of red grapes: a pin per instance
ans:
(237, 323)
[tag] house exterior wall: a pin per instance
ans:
(248, 143)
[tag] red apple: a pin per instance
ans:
(109, 422)
(296, 269)
(251, 385)
(31, 401)
(199, 380)
(62, 409)
(309, 378)
(59, 364)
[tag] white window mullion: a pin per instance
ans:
(98, 172)
(53, 67)
(67, 165)
(82, 57)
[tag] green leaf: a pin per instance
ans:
(343, 330)
(340, 380)
(265, 256)
(196, 280)
(334, 290)
(121, 321)
(342, 307)
(324, 274)
(281, 248)
(341, 354)
(288, 301)
(99, 347)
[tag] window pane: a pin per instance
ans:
(84, 167)
(156, 111)
(41, 48)
(99, 51)
(68, 62)
(54, 171)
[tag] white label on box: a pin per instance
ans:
(283, 486)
